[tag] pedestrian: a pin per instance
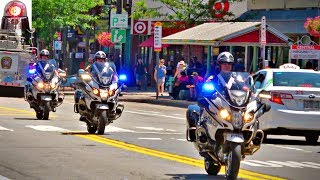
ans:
(159, 76)
(169, 74)
(140, 72)
(239, 67)
(181, 66)
(194, 87)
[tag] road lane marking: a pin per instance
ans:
(155, 129)
(312, 163)
(26, 112)
(47, 128)
(290, 148)
(3, 178)
(153, 114)
(113, 129)
(182, 159)
(5, 129)
(156, 139)
(304, 165)
(286, 164)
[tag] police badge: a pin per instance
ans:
(6, 62)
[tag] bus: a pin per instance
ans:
(16, 46)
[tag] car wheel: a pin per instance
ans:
(312, 139)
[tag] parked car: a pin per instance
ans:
(295, 102)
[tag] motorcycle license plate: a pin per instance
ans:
(235, 137)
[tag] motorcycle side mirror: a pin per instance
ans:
(264, 94)
(86, 77)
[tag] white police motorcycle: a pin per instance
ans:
(224, 124)
(42, 89)
(96, 97)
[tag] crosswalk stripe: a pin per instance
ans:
(47, 128)
(286, 164)
(304, 165)
(5, 129)
(265, 164)
(312, 163)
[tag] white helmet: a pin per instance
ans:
(225, 57)
(44, 52)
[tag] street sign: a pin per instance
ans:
(157, 36)
(118, 35)
(305, 52)
(57, 45)
(263, 35)
(119, 20)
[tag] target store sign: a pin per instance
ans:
(140, 27)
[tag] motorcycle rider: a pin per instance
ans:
(44, 56)
(226, 62)
(99, 58)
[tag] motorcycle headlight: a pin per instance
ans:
(47, 87)
(40, 85)
(104, 93)
(53, 85)
(248, 117)
(225, 114)
(95, 91)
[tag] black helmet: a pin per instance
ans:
(44, 52)
(225, 57)
(100, 55)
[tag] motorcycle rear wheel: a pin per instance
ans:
(102, 122)
(211, 167)
(233, 162)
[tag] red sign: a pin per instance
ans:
(218, 9)
(305, 47)
(140, 27)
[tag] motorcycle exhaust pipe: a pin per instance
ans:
(258, 138)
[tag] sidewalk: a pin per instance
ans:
(131, 94)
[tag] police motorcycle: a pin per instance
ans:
(96, 97)
(224, 125)
(42, 91)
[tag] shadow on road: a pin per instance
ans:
(289, 142)
(28, 119)
(195, 176)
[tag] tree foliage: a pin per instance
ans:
(188, 11)
(52, 15)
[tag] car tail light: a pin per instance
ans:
(277, 97)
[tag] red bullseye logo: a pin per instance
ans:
(219, 8)
(140, 27)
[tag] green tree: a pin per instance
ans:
(52, 15)
(189, 11)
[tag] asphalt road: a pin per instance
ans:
(147, 142)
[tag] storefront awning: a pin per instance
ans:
(150, 42)
(227, 34)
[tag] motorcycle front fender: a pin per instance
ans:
(234, 137)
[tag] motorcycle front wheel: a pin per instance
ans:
(46, 110)
(102, 122)
(39, 115)
(233, 162)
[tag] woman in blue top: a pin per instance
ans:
(160, 75)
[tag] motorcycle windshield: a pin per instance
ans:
(47, 68)
(102, 73)
(237, 86)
